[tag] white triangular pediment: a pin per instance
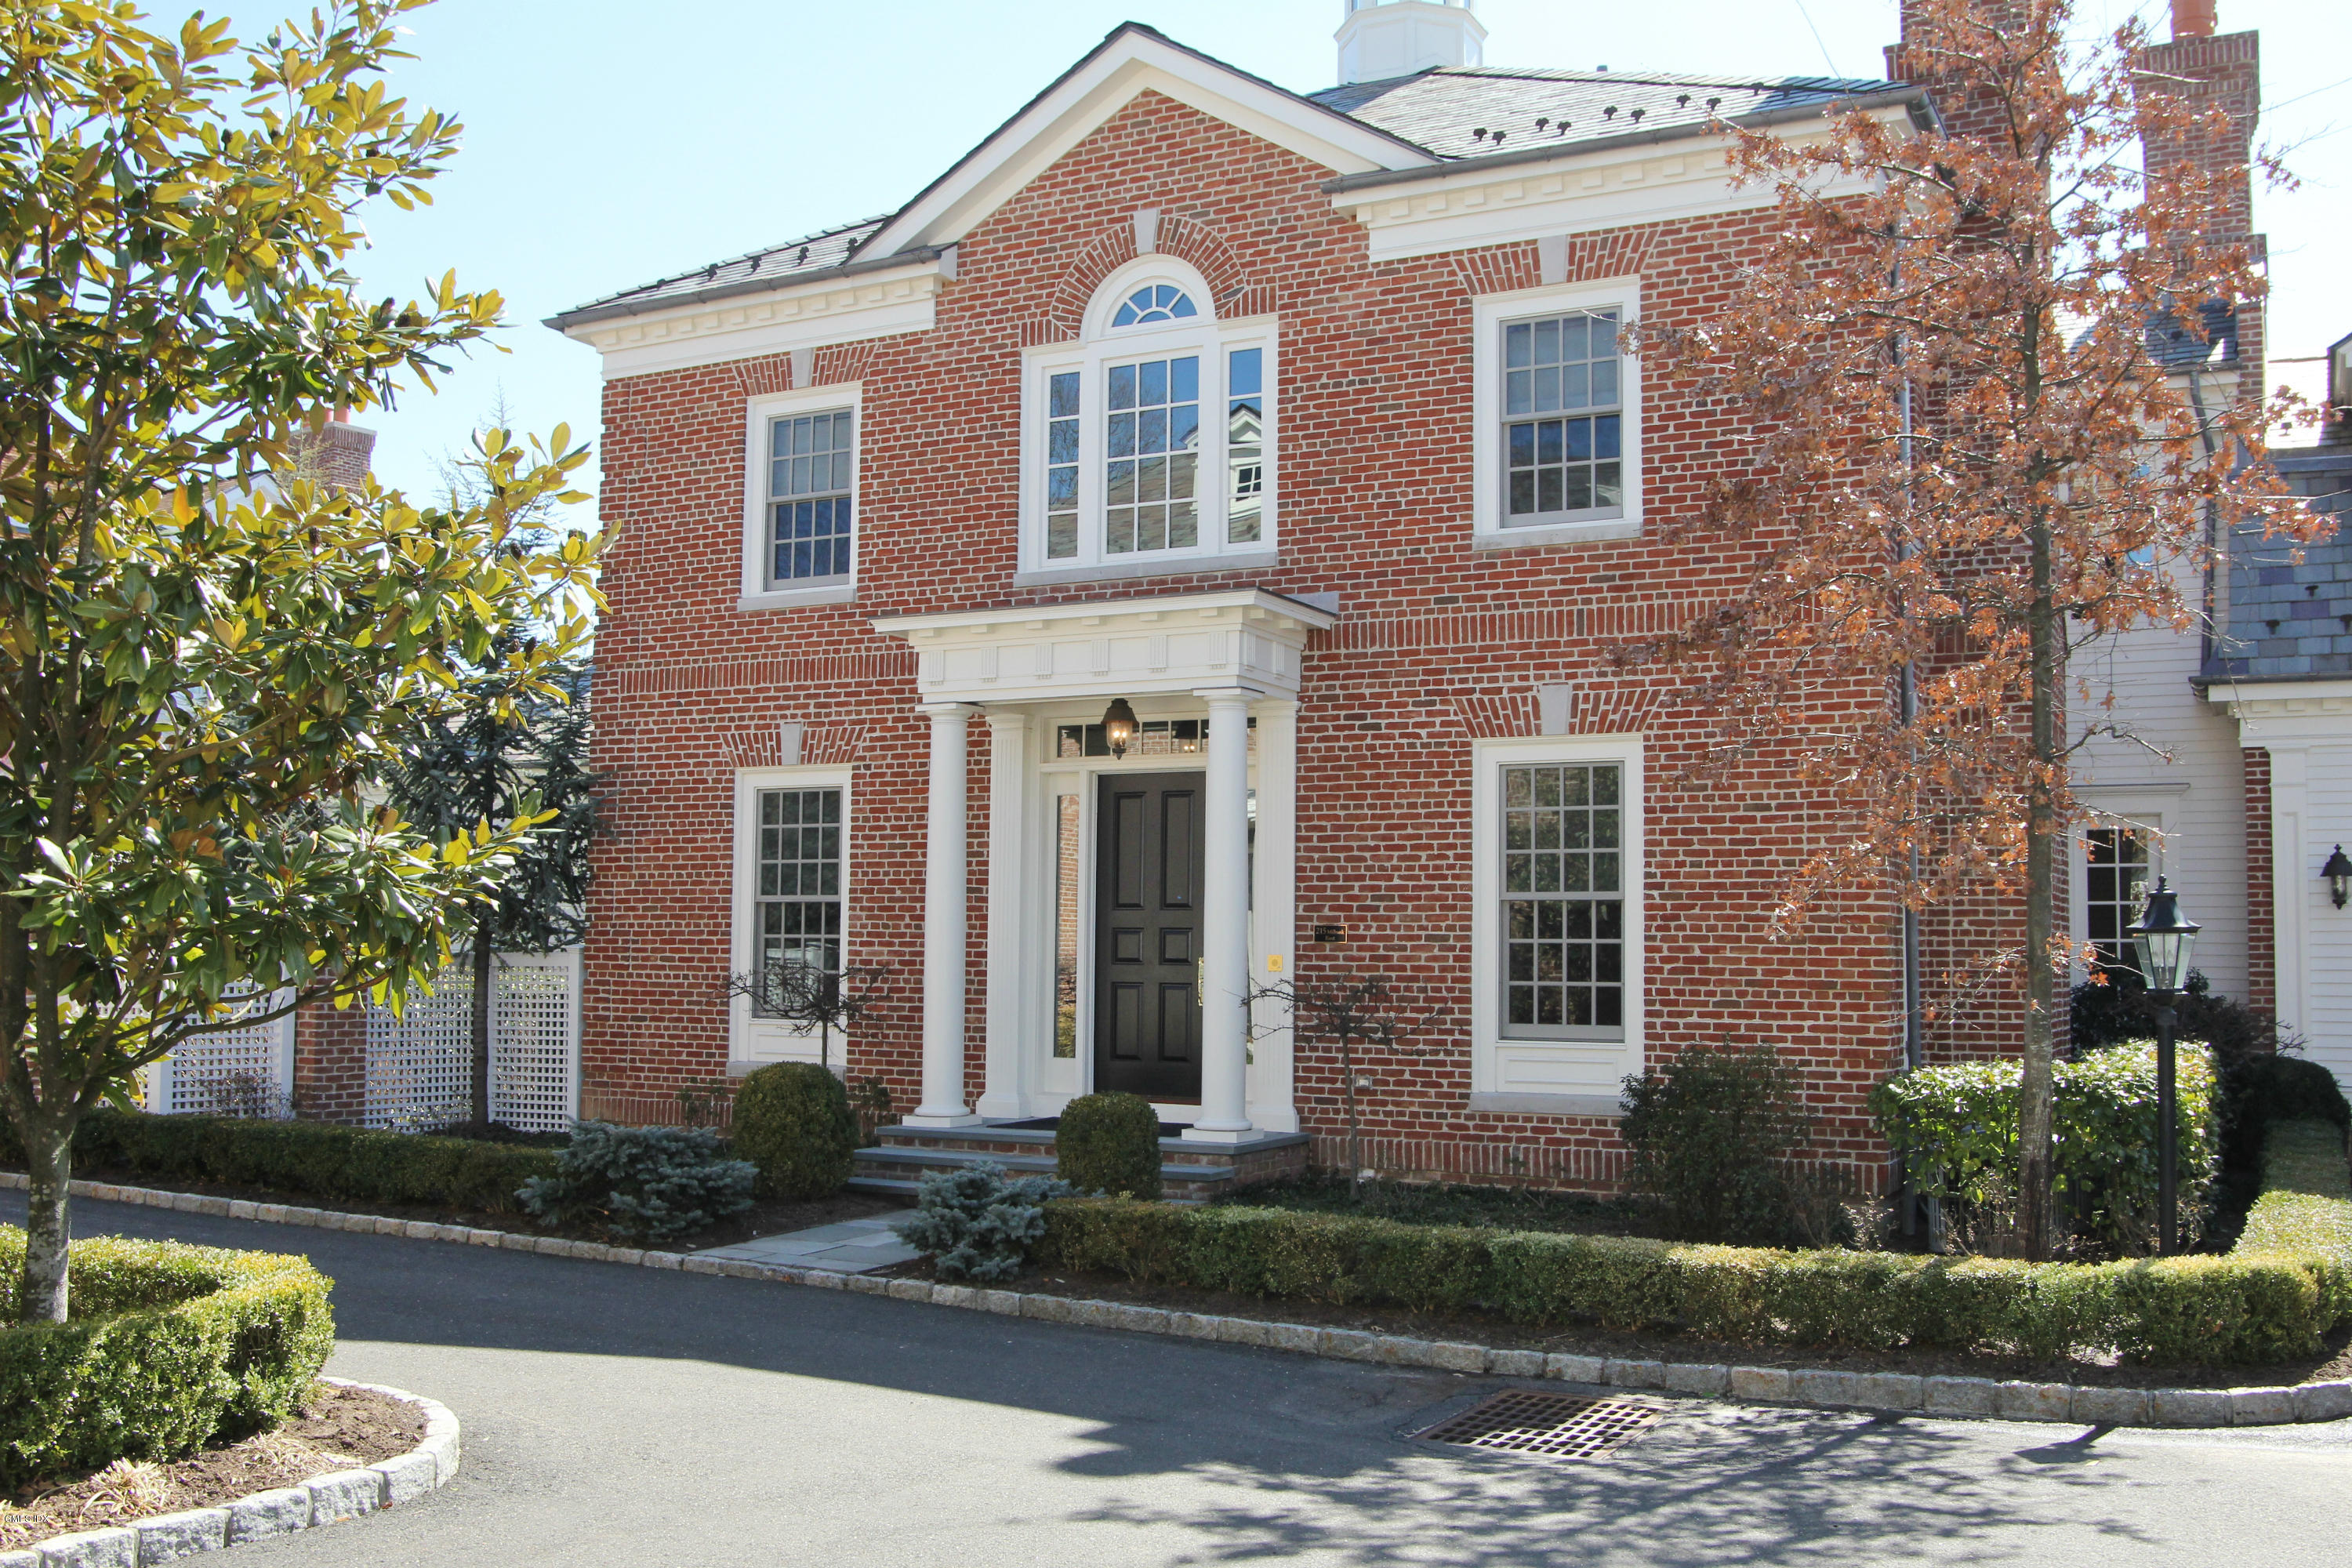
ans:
(1132, 61)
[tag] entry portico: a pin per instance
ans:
(1213, 678)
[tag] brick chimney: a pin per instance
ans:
(2221, 72)
(337, 453)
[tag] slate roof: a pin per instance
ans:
(2289, 620)
(1449, 112)
(1466, 111)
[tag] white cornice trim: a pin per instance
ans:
(813, 315)
(1166, 644)
(1609, 187)
(1072, 108)
(2278, 700)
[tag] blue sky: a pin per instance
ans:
(611, 141)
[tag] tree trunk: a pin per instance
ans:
(484, 962)
(2035, 1108)
(41, 1286)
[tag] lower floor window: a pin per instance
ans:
(2115, 885)
(1563, 897)
(797, 897)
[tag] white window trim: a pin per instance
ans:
(1489, 313)
(758, 415)
(1563, 1076)
(755, 1042)
(1100, 346)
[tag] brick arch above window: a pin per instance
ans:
(1232, 293)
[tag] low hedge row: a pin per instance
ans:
(308, 1157)
(2256, 1309)
(2306, 1198)
(168, 1346)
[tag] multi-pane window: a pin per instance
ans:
(1152, 450)
(797, 895)
(1244, 444)
(810, 459)
(1154, 303)
(1563, 898)
(1562, 417)
(2115, 886)
(1062, 465)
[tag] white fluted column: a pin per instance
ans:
(1224, 923)
(944, 893)
(1005, 1093)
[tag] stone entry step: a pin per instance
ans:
(1191, 1171)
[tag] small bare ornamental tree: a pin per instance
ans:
(811, 995)
(1975, 433)
(1361, 1014)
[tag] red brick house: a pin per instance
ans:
(1295, 429)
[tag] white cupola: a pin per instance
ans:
(1383, 39)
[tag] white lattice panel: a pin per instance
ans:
(419, 1064)
(244, 1071)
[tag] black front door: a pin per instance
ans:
(1147, 936)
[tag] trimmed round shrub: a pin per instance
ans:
(1711, 1136)
(168, 1347)
(792, 1121)
(1110, 1143)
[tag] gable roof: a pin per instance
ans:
(1366, 132)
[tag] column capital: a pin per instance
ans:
(1219, 696)
(1006, 718)
(947, 709)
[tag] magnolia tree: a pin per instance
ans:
(1974, 435)
(199, 665)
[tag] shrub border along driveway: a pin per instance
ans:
(328, 1499)
(1822, 1388)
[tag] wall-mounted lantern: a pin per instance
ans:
(2338, 872)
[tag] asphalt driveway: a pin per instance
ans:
(626, 1415)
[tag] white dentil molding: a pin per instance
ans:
(797, 317)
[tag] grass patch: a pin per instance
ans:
(2306, 1201)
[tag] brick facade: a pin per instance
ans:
(2262, 933)
(1438, 644)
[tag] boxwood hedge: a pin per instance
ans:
(168, 1346)
(307, 1157)
(2249, 1308)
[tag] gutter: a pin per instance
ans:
(1910, 96)
(588, 315)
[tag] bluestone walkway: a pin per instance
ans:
(851, 1247)
(630, 1416)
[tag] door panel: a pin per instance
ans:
(1147, 936)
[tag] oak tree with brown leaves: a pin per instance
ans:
(1973, 434)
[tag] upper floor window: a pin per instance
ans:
(1152, 439)
(809, 458)
(801, 498)
(1554, 445)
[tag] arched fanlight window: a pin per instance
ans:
(1153, 303)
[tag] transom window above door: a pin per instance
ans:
(1151, 442)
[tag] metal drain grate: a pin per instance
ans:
(1558, 1425)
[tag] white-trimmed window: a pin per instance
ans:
(1556, 931)
(792, 893)
(1150, 442)
(801, 499)
(1557, 408)
(2119, 866)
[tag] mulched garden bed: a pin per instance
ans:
(2333, 1360)
(762, 1218)
(333, 1429)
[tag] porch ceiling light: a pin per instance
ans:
(2338, 872)
(1119, 726)
(2164, 939)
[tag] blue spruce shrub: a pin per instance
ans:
(975, 1223)
(642, 1184)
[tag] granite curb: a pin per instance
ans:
(1817, 1387)
(328, 1499)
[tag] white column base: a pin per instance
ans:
(1223, 1135)
(941, 1119)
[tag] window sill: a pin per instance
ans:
(792, 599)
(1551, 1104)
(1559, 534)
(1180, 566)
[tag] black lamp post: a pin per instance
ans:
(2164, 939)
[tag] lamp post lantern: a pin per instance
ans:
(2163, 939)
